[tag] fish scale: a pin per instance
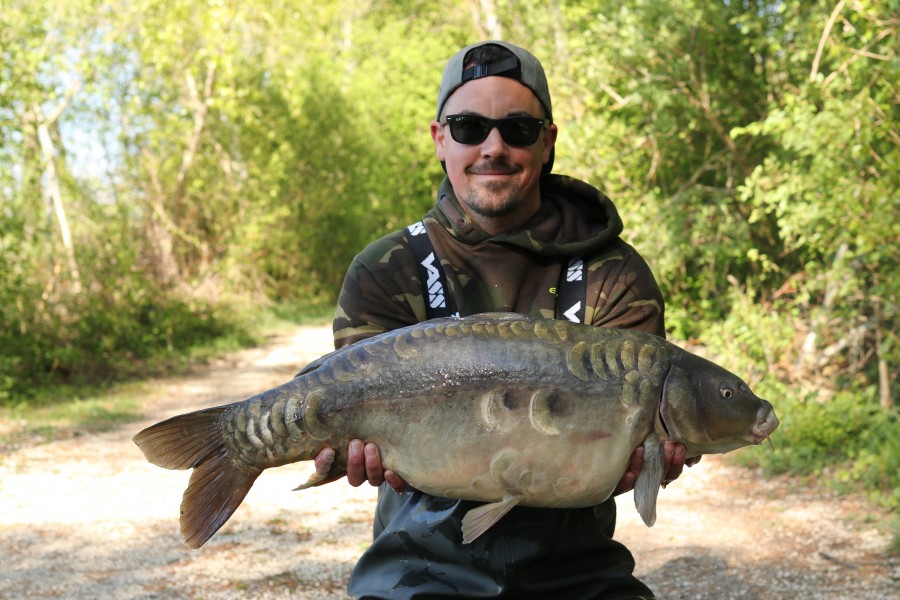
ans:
(499, 408)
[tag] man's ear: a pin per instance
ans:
(549, 140)
(437, 134)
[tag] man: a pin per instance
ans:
(504, 235)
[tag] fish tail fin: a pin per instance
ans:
(217, 485)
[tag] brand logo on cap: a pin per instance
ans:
(508, 67)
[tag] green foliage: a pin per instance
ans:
(846, 441)
(834, 431)
(127, 333)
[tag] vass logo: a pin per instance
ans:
(432, 277)
(433, 285)
(575, 272)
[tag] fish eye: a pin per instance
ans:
(726, 391)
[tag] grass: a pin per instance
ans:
(39, 421)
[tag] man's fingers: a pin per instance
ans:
(356, 463)
(635, 464)
(364, 465)
(397, 484)
(637, 460)
(323, 458)
(626, 484)
(668, 454)
(674, 461)
(374, 470)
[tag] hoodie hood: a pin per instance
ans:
(574, 219)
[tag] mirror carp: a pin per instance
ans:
(500, 408)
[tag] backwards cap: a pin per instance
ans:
(522, 66)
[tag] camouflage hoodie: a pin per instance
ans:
(532, 552)
(517, 271)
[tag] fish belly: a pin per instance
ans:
(551, 447)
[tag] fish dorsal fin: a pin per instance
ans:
(499, 316)
(315, 364)
(646, 488)
(480, 519)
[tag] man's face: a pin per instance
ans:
(496, 182)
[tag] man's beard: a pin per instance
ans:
(493, 207)
(493, 199)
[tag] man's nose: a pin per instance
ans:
(493, 144)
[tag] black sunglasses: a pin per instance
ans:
(515, 131)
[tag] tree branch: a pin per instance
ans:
(201, 109)
(70, 93)
(825, 33)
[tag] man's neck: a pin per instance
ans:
(496, 225)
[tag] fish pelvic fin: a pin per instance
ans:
(646, 488)
(480, 519)
(217, 485)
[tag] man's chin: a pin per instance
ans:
(490, 204)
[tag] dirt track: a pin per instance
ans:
(89, 518)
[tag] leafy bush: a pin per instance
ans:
(848, 442)
(97, 339)
(832, 429)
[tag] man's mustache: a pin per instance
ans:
(492, 167)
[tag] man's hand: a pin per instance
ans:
(673, 465)
(364, 464)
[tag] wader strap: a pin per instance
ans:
(572, 292)
(438, 303)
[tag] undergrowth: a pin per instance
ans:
(97, 381)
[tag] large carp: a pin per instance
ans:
(500, 408)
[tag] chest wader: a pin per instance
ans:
(535, 553)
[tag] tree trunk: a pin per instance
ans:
(51, 187)
(807, 354)
(161, 229)
(484, 15)
(884, 371)
(158, 233)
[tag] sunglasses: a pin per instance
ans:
(515, 131)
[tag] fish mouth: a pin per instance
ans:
(766, 424)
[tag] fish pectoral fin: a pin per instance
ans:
(323, 472)
(646, 488)
(480, 519)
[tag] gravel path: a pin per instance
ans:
(87, 517)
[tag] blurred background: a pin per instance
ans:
(179, 177)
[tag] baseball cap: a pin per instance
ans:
(523, 66)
